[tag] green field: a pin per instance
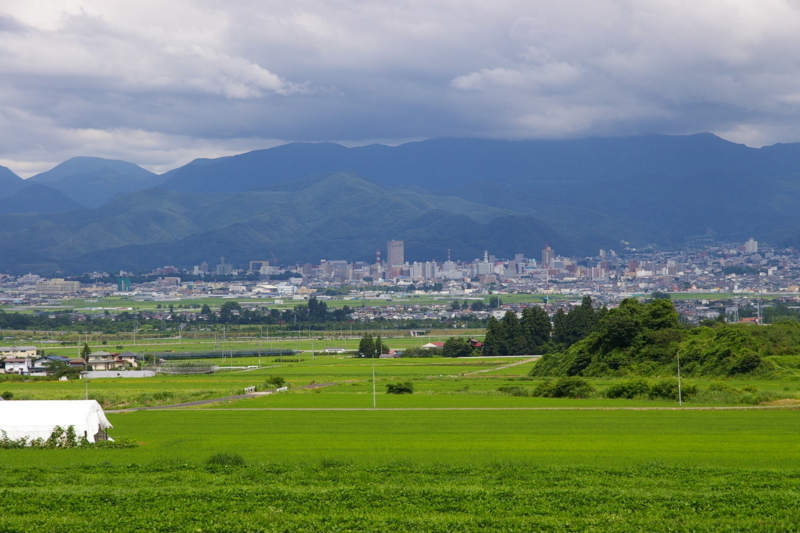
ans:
(418, 471)
(456, 455)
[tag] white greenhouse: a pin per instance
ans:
(36, 419)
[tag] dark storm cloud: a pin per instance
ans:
(160, 83)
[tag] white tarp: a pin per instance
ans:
(36, 419)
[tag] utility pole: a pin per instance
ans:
(374, 390)
(680, 396)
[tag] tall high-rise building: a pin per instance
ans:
(547, 256)
(395, 254)
(751, 246)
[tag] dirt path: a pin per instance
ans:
(534, 358)
(213, 400)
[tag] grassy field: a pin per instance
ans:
(317, 343)
(439, 382)
(437, 471)
(456, 455)
(337, 496)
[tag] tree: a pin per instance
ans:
(536, 328)
(226, 311)
(367, 346)
(380, 346)
(560, 327)
(661, 314)
(495, 302)
(623, 325)
(494, 341)
(456, 347)
(85, 351)
(478, 306)
(515, 343)
(205, 310)
(571, 327)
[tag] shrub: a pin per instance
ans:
(274, 382)
(566, 387)
(7, 395)
(628, 389)
(668, 390)
(225, 459)
(61, 438)
(572, 387)
(514, 391)
(400, 388)
(544, 390)
(420, 352)
(745, 363)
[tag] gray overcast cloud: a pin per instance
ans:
(160, 83)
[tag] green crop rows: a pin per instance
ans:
(457, 455)
(399, 496)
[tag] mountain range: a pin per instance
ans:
(304, 202)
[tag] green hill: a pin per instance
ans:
(334, 216)
(645, 339)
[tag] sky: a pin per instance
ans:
(161, 83)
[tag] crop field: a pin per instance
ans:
(456, 455)
(299, 341)
(417, 471)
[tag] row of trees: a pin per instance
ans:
(314, 311)
(372, 347)
(534, 333)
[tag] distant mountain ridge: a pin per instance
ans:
(445, 164)
(93, 181)
(9, 182)
(305, 202)
(37, 198)
(340, 216)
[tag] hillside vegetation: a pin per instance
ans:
(338, 215)
(646, 339)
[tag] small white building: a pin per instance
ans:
(17, 365)
(35, 419)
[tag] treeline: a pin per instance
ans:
(534, 334)
(20, 321)
(646, 339)
(314, 311)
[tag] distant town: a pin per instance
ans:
(740, 280)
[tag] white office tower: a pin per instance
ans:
(751, 246)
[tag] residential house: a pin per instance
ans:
(130, 358)
(433, 345)
(41, 365)
(17, 351)
(104, 361)
(17, 365)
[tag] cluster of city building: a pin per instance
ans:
(741, 270)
